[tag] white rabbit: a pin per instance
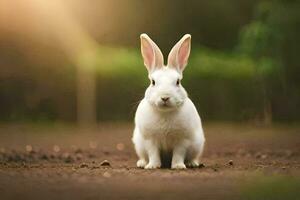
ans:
(166, 119)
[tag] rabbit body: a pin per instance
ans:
(179, 132)
(166, 120)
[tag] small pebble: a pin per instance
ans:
(264, 156)
(106, 174)
(93, 145)
(56, 148)
(120, 146)
(105, 163)
(28, 148)
(83, 165)
(230, 162)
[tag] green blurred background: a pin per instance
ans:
(79, 60)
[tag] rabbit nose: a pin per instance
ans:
(165, 99)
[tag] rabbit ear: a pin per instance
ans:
(178, 56)
(151, 53)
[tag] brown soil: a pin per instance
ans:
(63, 162)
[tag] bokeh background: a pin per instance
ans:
(65, 63)
(79, 61)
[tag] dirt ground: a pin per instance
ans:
(65, 162)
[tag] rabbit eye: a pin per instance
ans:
(153, 82)
(178, 82)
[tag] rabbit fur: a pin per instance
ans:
(166, 120)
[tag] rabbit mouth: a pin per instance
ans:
(165, 105)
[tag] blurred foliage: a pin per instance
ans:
(222, 85)
(241, 67)
(271, 39)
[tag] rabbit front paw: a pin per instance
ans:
(178, 166)
(141, 163)
(192, 164)
(153, 166)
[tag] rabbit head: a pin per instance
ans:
(165, 91)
